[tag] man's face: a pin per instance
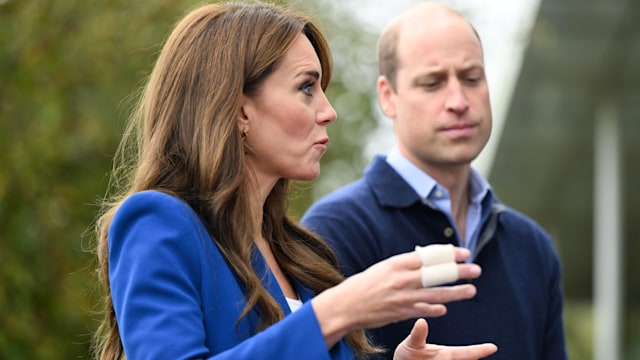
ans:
(440, 107)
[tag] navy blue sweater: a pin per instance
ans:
(519, 301)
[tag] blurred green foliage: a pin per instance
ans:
(68, 70)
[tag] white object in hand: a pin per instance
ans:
(436, 254)
(439, 274)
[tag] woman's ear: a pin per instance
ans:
(244, 115)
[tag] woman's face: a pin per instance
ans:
(287, 119)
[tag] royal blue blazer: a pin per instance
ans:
(175, 296)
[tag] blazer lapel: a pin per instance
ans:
(269, 280)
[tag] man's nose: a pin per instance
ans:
(457, 97)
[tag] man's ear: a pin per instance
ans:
(386, 97)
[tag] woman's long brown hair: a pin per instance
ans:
(183, 139)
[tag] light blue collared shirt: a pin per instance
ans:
(427, 188)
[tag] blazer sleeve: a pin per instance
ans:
(156, 255)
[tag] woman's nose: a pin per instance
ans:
(327, 113)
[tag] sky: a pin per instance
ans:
(504, 27)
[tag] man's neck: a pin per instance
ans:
(456, 181)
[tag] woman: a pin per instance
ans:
(197, 253)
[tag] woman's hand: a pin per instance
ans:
(415, 347)
(388, 291)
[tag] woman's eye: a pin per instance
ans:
(306, 87)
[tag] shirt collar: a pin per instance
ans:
(424, 185)
(479, 187)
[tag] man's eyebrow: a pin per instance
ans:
(473, 67)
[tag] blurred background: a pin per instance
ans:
(565, 88)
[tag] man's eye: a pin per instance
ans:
(474, 78)
(429, 84)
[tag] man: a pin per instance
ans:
(432, 85)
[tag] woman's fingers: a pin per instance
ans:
(441, 274)
(469, 352)
(443, 294)
(469, 271)
(392, 290)
(406, 270)
(432, 255)
(462, 254)
(416, 347)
